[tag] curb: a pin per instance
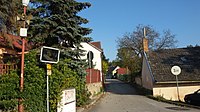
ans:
(92, 102)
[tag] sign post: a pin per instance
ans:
(176, 70)
(49, 55)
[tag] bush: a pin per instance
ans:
(34, 92)
(9, 91)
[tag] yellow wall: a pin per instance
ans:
(170, 93)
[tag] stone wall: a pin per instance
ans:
(94, 88)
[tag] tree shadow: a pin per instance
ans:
(115, 86)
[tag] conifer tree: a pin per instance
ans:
(7, 15)
(55, 22)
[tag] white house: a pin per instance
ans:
(95, 48)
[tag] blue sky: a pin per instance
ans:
(111, 19)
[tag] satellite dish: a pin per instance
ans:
(176, 70)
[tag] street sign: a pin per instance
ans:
(49, 54)
(90, 56)
(23, 32)
(49, 67)
(176, 70)
(49, 72)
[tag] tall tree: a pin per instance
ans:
(130, 47)
(105, 63)
(9, 9)
(8, 13)
(55, 22)
(155, 39)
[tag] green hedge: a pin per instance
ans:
(124, 77)
(9, 91)
(34, 92)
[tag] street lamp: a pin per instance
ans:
(23, 34)
(25, 2)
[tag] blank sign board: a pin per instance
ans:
(49, 54)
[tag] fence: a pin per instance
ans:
(93, 76)
(5, 68)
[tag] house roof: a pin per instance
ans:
(96, 45)
(15, 41)
(187, 58)
(111, 69)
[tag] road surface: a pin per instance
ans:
(122, 97)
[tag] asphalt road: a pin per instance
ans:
(121, 97)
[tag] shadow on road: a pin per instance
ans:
(115, 86)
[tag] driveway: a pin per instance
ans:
(121, 97)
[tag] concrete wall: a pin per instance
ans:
(170, 93)
(147, 78)
(94, 88)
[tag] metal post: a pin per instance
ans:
(47, 93)
(90, 73)
(177, 88)
(48, 73)
(20, 106)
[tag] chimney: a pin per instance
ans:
(145, 42)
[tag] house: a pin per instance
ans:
(94, 76)
(10, 52)
(10, 49)
(112, 71)
(157, 76)
(95, 48)
(122, 71)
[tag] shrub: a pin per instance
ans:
(34, 92)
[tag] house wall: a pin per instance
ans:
(115, 70)
(147, 78)
(97, 61)
(170, 93)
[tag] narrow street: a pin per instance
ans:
(121, 97)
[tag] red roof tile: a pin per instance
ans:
(96, 44)
(16, 42)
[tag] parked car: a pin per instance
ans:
(193, 98)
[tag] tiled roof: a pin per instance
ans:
(187, 58)
(16, 42)
(97, 45)
(111, 68)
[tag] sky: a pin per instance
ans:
(111, 19)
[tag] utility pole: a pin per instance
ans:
(23, 34)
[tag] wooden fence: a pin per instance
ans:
(5, 68)
(93, 76)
